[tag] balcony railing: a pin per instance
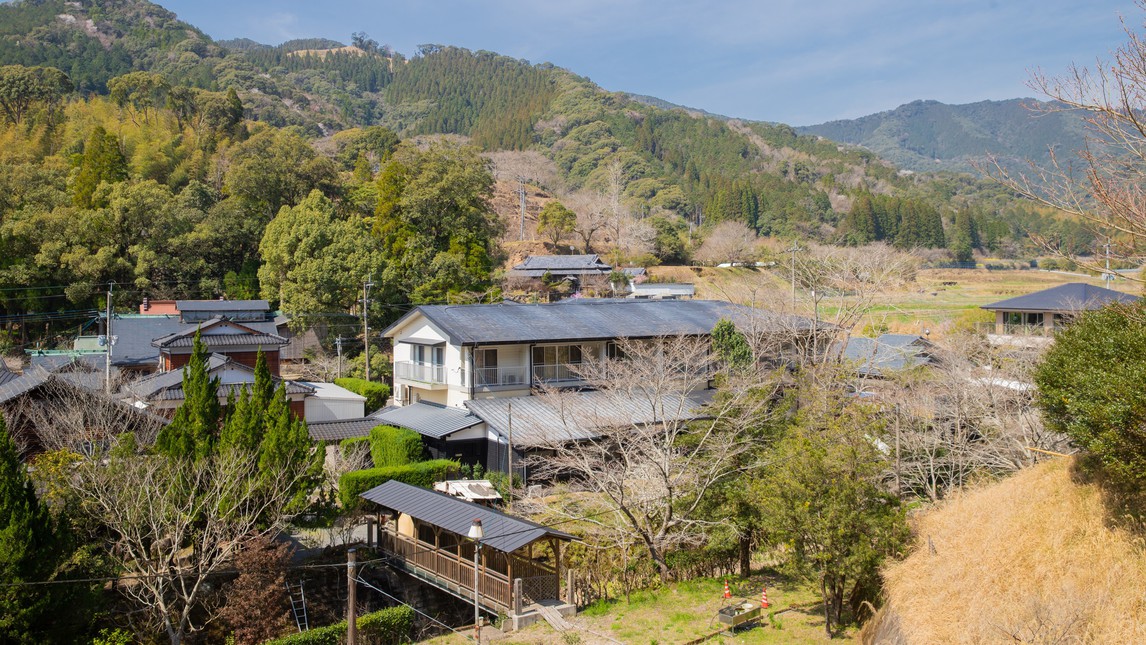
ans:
(560, 373)
(420, 372)
(500, 377)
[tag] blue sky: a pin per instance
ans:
(793, 61)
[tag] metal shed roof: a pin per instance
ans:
(1073, 296)
(429, 419)
(590, 262)
(576, 320)
(576, 416)
(888, 353)
(503, 532)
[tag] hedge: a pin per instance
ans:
(390, 446)
(376, 393)
(424, 474)
(385, 627)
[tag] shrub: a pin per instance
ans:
(393, 625)
(1090, 388)
(390, 446)
(376, 393)
(423, 474)
(348, 446)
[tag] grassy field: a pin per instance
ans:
(682, 612)
(940, 300)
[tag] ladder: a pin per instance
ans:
(298, 605)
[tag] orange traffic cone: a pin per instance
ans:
(764, 598)
(727, 591)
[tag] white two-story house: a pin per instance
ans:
(465, 375)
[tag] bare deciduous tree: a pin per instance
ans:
(656, 455)
(175, 523)
(1105, 188)
(728, 242)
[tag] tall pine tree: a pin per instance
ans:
(30, 551)
(195, 428)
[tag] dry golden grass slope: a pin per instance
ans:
(1030, 559)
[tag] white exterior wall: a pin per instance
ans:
(318, 409)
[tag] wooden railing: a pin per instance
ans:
(457, 573)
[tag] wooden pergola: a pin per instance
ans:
(519, 562)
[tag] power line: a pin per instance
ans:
(416, 610)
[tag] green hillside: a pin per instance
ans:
(927, 136)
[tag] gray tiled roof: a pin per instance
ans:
(168, 386)
(575, 416)
(237, 334)
(563, 263)
(1073, 296)
(222, 305)
(888, 353)
(31, 379)
(341, 429)
(578, 320)
(429, 419)
(503, 532)
(135, 334)
(6, 374)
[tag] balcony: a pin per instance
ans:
(420, 372)
(557, 374)
(500, 377)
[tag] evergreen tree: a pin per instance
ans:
(102, 160)
(29, 552)
(285, 441)
(193, 431)
(730, 345)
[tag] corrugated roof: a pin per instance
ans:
(176, 393)
(222, 305)
(1073, 296)
(578, 319)
(341, 429)
(168, 386)
(152, 384)
(429, 419)
(576, 416)
(503, 532)
(888, 353)
(31, 379)
(6, 375)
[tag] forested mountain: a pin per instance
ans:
(135, 150)
(926, 136)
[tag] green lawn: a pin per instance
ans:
(681, 612)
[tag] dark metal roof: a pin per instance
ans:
(429, 419)
(888, 353)
(577, 320)
(503, 532)
(1073, 296)
(222, 305)
(341, 429)
(233, 389)
(564, 417)
(153, 384)
(6, 375)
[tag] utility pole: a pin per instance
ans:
(366, 284)
(338, 347)
(109, 342)
(794, 250)
(510, 454)
(521, 197)
(351, 597)
(1107, 277)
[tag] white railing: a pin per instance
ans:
(556, 373)
(420, 372)
(500, 377)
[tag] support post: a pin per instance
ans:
(351, 597)
(517, 597)
(570, 587)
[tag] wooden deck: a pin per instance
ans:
(450, 571)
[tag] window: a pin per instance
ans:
(429, 355)
(552, 363)
(613, 351)
(485, 367)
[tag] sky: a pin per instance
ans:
(798, 62)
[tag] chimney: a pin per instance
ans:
(146, 304)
